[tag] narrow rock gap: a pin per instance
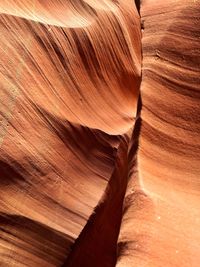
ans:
(97, 244)
(137, 3)
(133, 146)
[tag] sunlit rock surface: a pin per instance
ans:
(73, 189)
(162, 212)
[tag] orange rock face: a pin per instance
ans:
(91, 174)
(161, 224)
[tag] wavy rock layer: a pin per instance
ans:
(70, 75)
(161, 222)
(72, 191)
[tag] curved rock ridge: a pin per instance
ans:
(81, 74)
(99, 162)
(70, 76)
(63, 13)
(161, 223)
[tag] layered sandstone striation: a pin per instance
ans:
(161, 223)
(92, 174)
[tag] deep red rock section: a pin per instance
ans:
(73, 189)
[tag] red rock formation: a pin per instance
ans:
(162, 219)
(72, 192)
(68, 90)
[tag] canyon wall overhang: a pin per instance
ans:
(99, 133)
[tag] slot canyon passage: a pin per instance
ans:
(99, 133)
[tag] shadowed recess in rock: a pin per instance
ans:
(31, 243)
(99, 161)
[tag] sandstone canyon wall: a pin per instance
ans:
(99, 133)
(162, 219)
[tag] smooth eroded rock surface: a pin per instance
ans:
(162, 216)
(99, 162)
(69, 75)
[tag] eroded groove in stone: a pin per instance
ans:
(69, 79)
(73, 191)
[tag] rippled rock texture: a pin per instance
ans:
(99, 133)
